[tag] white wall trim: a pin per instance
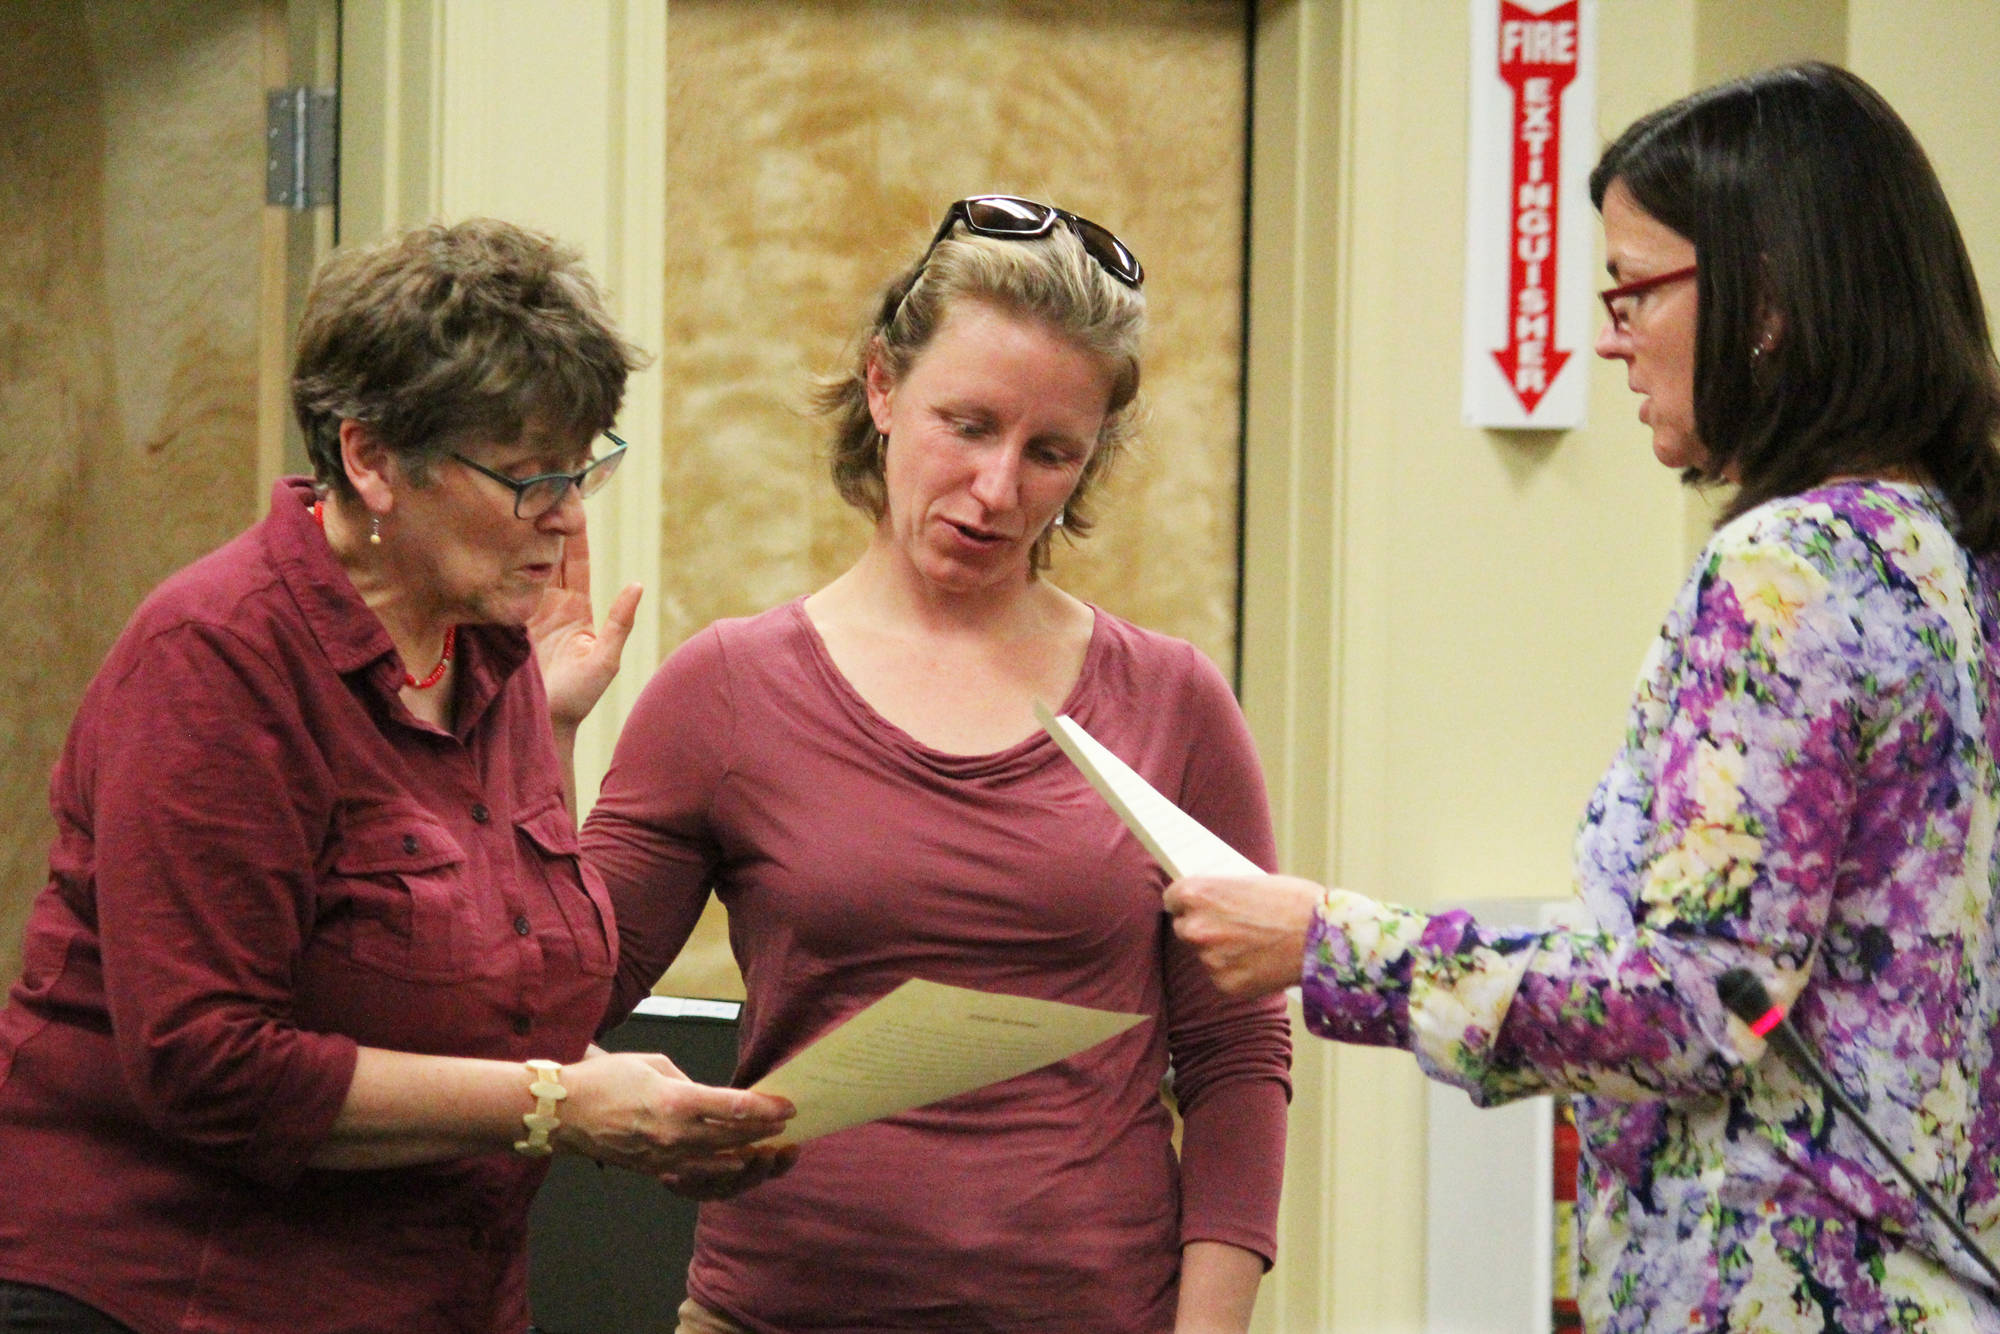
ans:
(553, 116)
(1292, 539)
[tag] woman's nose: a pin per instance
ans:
(565, 516)
(996, 484)
(1611, 342)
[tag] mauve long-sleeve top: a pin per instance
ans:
(851, 857)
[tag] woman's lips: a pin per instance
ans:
(977, 536)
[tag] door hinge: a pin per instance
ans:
(301, 147)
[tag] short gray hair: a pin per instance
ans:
(446, 332)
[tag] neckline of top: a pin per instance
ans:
(1030, 752)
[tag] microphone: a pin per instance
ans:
(1747, 1000)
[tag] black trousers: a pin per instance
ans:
(25, 1309)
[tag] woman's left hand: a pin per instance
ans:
(1249, 933)
(578, 658)
(760, 1164)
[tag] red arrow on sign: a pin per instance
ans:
(1538, 54)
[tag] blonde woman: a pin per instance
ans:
(859, 776)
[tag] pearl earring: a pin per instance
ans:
(375, 530)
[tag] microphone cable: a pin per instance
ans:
(1747, 1000)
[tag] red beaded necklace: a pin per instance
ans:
(450, 631)
(436, 673)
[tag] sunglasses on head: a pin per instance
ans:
(1011, 218)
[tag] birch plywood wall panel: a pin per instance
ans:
(812, 147)
(55, 395)
(130, 185)
(183, 176)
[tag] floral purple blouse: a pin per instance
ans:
(1807, 788)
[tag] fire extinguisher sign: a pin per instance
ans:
(1528, 241)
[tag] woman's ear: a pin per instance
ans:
(370, 466)
(881, 388)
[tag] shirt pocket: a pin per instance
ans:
(401, 881)
(556, 856)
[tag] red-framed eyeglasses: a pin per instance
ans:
(1628, 293)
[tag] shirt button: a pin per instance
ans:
(523, 1025)
(480, 815)
(410, 843)
(521, 927)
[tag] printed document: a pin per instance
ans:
(925, 1041)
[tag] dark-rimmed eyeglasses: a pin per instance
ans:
(537, 495)
(1619, 301)
(1011, 218)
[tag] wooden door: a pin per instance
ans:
(143, 295)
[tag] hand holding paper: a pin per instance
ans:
(1247, 927)
(1176, 839)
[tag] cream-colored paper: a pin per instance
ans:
(925, 1041)
(1176, 839)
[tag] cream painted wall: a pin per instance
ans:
(1934, 60)
(1485, 596)
(1437, 653)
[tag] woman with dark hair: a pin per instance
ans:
(307, 1002)
(1809, 790)
(859, 777)
(1841, 331)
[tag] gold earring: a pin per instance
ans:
(375, 530)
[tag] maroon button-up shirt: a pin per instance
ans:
(263, 861)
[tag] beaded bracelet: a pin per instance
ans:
(546, 1085)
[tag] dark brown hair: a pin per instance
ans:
(448, 332)
(1821, 229)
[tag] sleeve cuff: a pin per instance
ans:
(302, 1110)
(1355, 982)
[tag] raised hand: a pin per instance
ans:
(578, 657)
